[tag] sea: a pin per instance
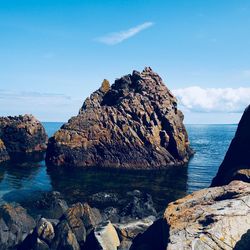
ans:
(23, 182)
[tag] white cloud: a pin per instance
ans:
(197, 99)
(118, 37)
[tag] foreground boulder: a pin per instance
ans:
(15, 225)
(236, 164)
(134, 123)
(103, 237)
(4, 156)
(212, 218)
(22, 134)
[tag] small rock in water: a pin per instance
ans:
(22, 134)
(52, 204)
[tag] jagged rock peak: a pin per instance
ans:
(134, 123)
(147, 83)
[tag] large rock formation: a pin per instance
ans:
(134, 123)
(236, 164)
(212, 218)
(22, 134)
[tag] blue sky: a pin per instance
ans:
(53, 54)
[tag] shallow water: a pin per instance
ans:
(23, 182)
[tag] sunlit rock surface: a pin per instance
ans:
(133, 123)
(212, 218)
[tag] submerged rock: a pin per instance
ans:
(134, 123)
(212, 218)
(236, 164)
(22, 134)
(4, 156)
(51, 204)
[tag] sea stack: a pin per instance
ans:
(236, 164)
(22, 134)
(134, 123)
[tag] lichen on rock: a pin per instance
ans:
(212, 218)
(133, 123)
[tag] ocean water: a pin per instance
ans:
(24, 181)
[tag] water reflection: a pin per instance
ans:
(21, 176)
(80, 184)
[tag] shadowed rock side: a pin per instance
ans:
(22, 134)
(134, 123)
(212, 218)
(236, 164)
(4, 156)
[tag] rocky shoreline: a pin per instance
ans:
(79, 226)
(150, 135)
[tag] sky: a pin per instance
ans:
(53, 54)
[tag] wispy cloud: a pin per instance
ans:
(45, 106)
(120, 36)
(197, 99)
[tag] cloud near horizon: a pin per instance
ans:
(120, 36)
(206, 100)
(45, 106)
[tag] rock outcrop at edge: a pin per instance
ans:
(236, 164)
(212, 218)
(134, 123)
(22, 134)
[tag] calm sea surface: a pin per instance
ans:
(24, 181)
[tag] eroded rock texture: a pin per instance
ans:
(213, 218)
(15, 225)
(134, 123)
(22, 134)
(236, 164)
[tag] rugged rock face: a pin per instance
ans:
(134, 123)
(4, 156)
(15, 225)
(22, 134)
(212, 218)
(236, 164)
